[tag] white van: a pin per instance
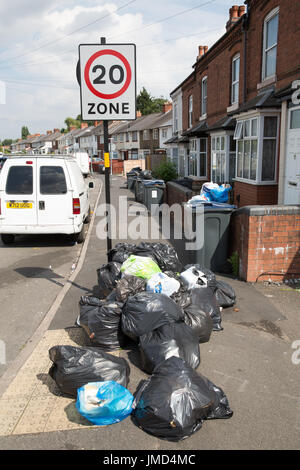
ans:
(83, 161)
(43, 195)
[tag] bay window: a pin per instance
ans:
(256, 155)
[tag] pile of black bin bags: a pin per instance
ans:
(175, 400)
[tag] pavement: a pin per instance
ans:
(251, 359)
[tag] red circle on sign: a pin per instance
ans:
(87, 71)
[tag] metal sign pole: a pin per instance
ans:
(107, 181)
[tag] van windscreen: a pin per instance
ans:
(52, 180)
(19, 180)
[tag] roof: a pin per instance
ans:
(86, 131)
(197, 131)
(267, 99)
(49, 137)
(226, 123)
(165, 120)
(173, 140)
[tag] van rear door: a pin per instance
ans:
(18, 193)
(54, 193)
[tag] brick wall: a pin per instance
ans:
(267, 240)
(249, 194)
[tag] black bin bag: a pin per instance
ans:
(146, 311)
(175, 339)
(199, 321)
(74, 367)
(163, 253)
(121, 252)
(108, 276)
(204, 298)
(129, 285)
(225, 294)
(175, 400)
(102, 324)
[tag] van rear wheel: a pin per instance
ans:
(79, 237)
(88, 217)
(7, 239)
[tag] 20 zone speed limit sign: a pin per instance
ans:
(108, 81)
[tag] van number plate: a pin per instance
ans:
(19, 205)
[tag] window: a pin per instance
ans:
(174, 157)
(198, 157)
(146, 134)
(52, 180)
(164, 133)
(204, 96)
(175, 118)
(223, 151)
(127, 136)
(295, 119)
(190, 111)
(134, 136)
(257, 148)
(235, 80)
(121, 137)
(269, 148)
(270, 44)
(19, 180)
(155, 134)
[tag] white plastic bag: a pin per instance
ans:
(192, 277)
(160, 283)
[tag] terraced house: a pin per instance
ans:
(236, 117)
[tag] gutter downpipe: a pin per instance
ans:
(244, 29)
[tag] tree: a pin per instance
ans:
(70, 122)
(147, 104)
(7, 142)
(89, 123)
(24, 132)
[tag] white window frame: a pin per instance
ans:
(146, 134)
(175, 117)
(260, 116)
(268, 18)
(195, 152)
(190, 111)
(155, 134)
(235, 82)
(134, 133)
(225, 152)
(164, 133)
(203, 98)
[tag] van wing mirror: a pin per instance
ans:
(91, 184)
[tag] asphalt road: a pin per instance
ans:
(32, 272)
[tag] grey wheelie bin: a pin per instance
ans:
(153, 193)
(131, 178)
(214, 252)
(139, 190)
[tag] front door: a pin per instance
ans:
(292, 171)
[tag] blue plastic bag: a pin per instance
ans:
(104, 403)
(220, 194)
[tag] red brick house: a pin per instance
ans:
(240, 115)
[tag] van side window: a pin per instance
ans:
(19, 180)
(52, 180)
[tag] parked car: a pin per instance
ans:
(2, 161)
(83, 161)
(43, 195)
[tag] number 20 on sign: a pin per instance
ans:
(108, 81)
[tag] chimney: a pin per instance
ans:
(201, 51)
(138, 114)
(49, 132)
(56, 130)
(242, 10)
(167, 107)
(235, 13)
(97, 123)
(72, 128)
(84, 125)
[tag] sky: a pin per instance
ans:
(39, 50)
